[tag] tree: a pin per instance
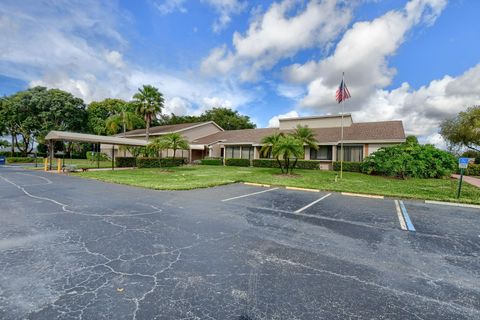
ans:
(268, 143)
(99, 111)
(306, 136)
(4, 144)
(173, 141)
(464, 129)
(286, 148)
(149, 102)
(227, 119)
(121, 122)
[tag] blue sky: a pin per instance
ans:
(417, 61)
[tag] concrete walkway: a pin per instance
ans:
(471, 180)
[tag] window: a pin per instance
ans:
(323, 153)
(236, 152)
(246, 152)
(351, 153)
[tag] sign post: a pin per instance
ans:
(462, 164)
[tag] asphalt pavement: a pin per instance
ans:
(72, 248)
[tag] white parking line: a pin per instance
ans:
(249, 194)
(400, 216)
(311, 204)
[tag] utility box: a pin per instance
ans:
(3, 160)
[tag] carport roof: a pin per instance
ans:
(92, 138)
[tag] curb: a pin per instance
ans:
(362, 195)
(302, 189)
(257, 184)
(453, 204)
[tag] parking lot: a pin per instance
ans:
(81, 249)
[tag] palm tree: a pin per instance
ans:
(269, 142)
(306, 136)
(173, 141)
(123, 120)
(149, 103)
(287, 147)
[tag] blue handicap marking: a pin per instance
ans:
(2, 160)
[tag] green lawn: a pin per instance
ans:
(191, 177)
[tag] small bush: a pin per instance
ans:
(237, 162)
(348, 166)
(21, 160)
(159, 163)
(9, 154)
(473, 170)
(125, 162)
(212, 162)
(171, 162)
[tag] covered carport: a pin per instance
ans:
(53, 136)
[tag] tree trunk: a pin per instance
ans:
(174, 152)
(147, 130)
(294, 164)
(473, 148)
(280, 164)
(13, 144)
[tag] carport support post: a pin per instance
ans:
(98, 155)
(50, 153)
(113, 156)
(460, 183)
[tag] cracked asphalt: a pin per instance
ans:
(81, 249)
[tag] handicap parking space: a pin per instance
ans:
(442, 220)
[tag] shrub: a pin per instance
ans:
(265, 163)
(21, 160)
(159, 163)
(125, 162)
(407, 160)
(348, 166)
(237, 162)
(473, 170)
(212, 162)
(9, 154)
(308, 164)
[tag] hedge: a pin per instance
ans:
(308, 164)
(125, 162)
(348, 166)
(265, 163)
(212, 162)
(473, 170)
(21, 160)
(237, 162)
(158, 163)
(273, 163)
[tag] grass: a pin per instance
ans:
(80, 163)
(191, 177)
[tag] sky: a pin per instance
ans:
(416, 61)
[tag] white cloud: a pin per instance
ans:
(115, 58)
(278, 34)
(290, 91)
(225, 9)
(178, 106)
(170, 6)
(362, 54)
(274, 121)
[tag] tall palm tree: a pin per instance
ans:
(149, 102)
(269, 142)
(286, 148)
(307, 137)
(173, 141)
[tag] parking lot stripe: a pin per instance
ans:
(400, 216)
(312, 203)
(249, 194)
(455, 204)
(409, 223)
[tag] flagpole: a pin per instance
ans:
(341, 137)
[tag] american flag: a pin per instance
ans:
(342, 92)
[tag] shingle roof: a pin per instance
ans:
(165, 129)
(366, 131)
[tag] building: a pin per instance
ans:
(360, 139)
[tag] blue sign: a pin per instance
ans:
(463, 163)
(2, 160)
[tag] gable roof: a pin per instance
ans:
(159, 130)
(357, 132)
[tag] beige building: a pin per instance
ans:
(360, 139)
